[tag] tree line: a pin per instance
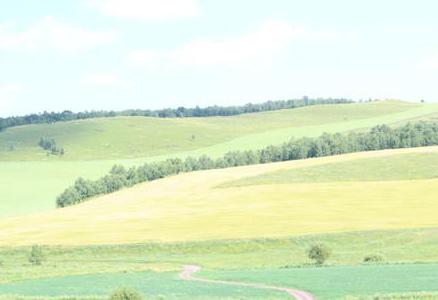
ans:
(50, 145)
(180, 112)
(378, 138)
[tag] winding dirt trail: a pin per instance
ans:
(189, 271)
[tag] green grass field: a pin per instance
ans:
(341, 281)
(153, 268)
(397, 167)
(325, 283)
(94, 146)
(140, 137)
(251, 223)
(398, 246)
(155, 285)
(397, 296)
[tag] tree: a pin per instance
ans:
(69, 197)
(126, 294)
(118, 170)
(50, 145)
(36, 256)
(319, 253)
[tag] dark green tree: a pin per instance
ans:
(319, 253)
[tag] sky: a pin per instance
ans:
(119, 54)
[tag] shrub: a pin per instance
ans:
(50, 145)
(126, 294)
(36, 256)
(319, 253)
(373, 258)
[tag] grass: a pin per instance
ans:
(153, 268)
(326, 283)
(32, 186)
(190, 207)
(403, 296)
(398, 246)
(155, 285)
(93, 146)
(341, 281)
(140, 137)
(252, 223)
(397, 167)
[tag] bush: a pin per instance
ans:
(36, 256)
(50, 145)
(319, 253)
(373, 258)
(126, 294)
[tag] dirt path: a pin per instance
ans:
(189, 271)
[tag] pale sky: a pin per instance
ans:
(119, 54)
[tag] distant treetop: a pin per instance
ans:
(180, 112)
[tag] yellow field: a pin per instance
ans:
(192, 207)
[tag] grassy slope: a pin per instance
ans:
(245, 259)
(33, 185)
(401, 167)
(175, 208)
(140, 137)
(132, 141)
(398, 246)
(124, 221)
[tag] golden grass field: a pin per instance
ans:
(192, 206)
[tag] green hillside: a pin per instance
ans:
(326, 283)
(93, 146)
(218, 150)
(153, 268)
(399, 167)
(251, 224)
(140, 137)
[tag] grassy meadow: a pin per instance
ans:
(344, 280)
(251, 224)
(94, 146)
(153, 268)
(397, 167)
(141, 137)
(156, 285)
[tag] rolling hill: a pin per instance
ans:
(175, 208)
(141, 137)
(93, 146)
(252, 223)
